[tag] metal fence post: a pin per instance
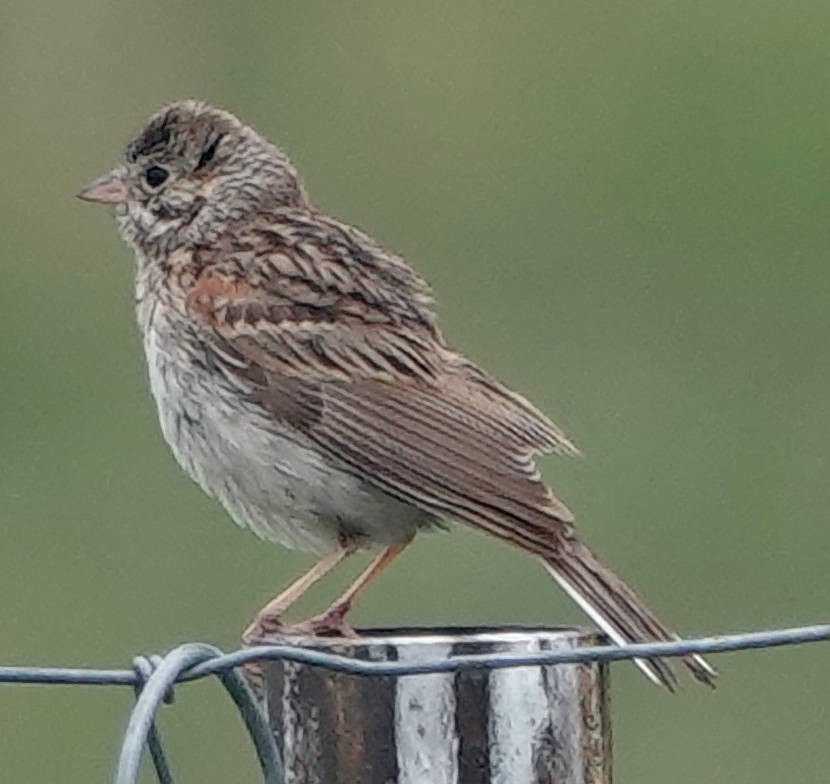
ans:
(524, 725)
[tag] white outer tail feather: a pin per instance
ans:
(605, 625)
(600, 621)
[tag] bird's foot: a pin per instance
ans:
(263, 625)
(253, 672)
(331, 623)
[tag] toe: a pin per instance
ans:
(262, 626)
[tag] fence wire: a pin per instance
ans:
(152, 678)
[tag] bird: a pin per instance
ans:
(302, 380)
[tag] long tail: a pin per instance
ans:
(618, 611)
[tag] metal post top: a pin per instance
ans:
(487, 725)
(446, 640)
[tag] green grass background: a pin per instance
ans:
(624, 210)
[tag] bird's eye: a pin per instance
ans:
(155, 176)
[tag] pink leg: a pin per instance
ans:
(333, 619)
(268, 619)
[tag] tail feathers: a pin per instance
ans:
(618, 611)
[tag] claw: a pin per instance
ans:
(331, 623)
(260, 627)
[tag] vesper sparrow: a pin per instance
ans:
(301, 379)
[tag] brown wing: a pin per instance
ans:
(421, 446)
(354, 360)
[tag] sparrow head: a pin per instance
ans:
(190, 172)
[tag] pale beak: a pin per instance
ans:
(109, 189)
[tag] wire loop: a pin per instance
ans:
(141, 728)
(143, 667)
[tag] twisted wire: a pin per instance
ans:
(144, 667)
(158, 686)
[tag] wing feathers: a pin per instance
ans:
(451, 468)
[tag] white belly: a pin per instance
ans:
(264, 475)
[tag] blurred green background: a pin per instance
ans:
(623, 209)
